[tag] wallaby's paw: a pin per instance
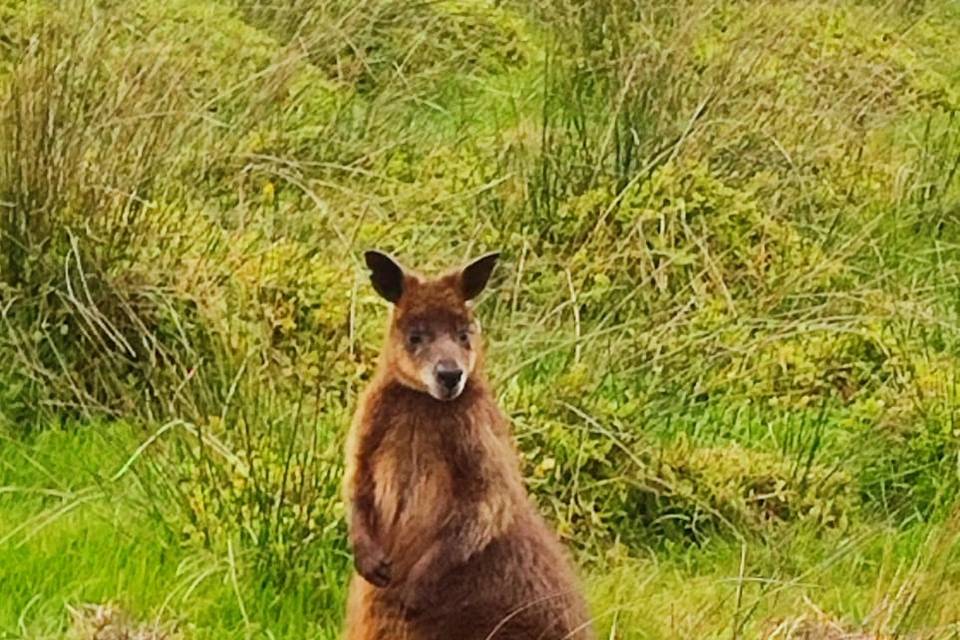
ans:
(373, 566)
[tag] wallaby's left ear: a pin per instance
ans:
(475, 275)
(386, 275)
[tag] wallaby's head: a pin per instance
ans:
(433, 344)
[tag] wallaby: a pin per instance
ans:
(447, 545)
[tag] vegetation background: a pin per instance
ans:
(725, 325)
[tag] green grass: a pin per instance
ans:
(105, 549)
(725, 323)
(87, 540)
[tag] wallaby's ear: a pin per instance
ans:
(475, 275)
(386, 275)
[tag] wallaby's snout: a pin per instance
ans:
(451, 378)
(442, 358)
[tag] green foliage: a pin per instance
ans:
(726, 318)
(380, 42)
(606, 482)
(79, 173)
(269, 482)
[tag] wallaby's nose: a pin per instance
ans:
(449, 374)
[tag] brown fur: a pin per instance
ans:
(439, 516)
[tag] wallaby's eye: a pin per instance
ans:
(415, 338)
(464, 336)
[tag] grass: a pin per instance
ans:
(90, 542)
(104, 549)
(724, 326)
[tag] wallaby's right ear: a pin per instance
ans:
(386, 275)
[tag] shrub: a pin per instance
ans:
(81, 173)
(264, 477)
(374, 43)
(602, 482)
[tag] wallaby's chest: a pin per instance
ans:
(413, 474)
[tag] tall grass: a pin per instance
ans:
(89, 137)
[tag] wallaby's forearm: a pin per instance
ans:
(364, 527)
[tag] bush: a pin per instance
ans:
(81, 176)
(265, 477)
(604, 482)
(374, 43)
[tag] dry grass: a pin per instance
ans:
(108, 622)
